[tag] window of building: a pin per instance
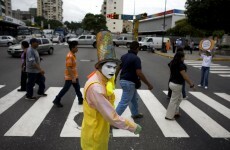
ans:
(115, 7)
(114, 22)
(115, 2)
(114, 28)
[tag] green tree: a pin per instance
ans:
(54, 24)
(183, 28)
(94, 23)
(208, 15)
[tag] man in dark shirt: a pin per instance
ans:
(130, 77)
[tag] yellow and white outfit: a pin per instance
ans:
(99, 113)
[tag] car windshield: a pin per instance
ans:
(144, 40)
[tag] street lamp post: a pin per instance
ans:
(163, 33)
(134, 19)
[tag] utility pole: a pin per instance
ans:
(163, 33)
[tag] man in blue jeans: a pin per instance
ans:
(35, 73)
(71, 76)
(130, 77)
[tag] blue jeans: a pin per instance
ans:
(32, 79)
(204, 76)
(129, 95)
(66, 87)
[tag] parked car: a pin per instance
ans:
(56, 38)
(85, 40)
(155, 42)
(45, 45)
(122, 41)
(7, 40)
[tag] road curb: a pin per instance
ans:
(170, 56)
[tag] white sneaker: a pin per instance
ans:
(206, 87)
(199, 85)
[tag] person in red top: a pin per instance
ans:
(71, 76)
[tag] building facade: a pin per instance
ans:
(50, 9)
(8, 7)
(154, 23)
(111, 7)
(2, 8)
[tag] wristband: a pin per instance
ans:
(192, 86)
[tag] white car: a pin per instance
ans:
(56, 38)
(7, 40)
(85, 40)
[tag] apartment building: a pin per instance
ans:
(113, 6)
(50, 9)
(8, 8)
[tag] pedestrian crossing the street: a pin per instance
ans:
(29, 122)
(223, 71)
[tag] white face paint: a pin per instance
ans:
(109, 69)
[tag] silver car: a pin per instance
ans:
(45, 45)
(7, 40)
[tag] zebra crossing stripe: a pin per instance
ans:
(219, 71)
(212, 103)
(71, 128)
(200, 64)
(224, 96)
(157, 110)
(126, 114)
(31, 120)
(1, 86)
(224, 75)
(8, 100)
(216, 69)
(212, 66)
(204, 121)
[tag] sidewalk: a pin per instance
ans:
(193, 56)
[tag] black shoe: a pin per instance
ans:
(137, 116)
(42, 95)
(57, 104)
(31, 98)
(80, 102)
(21, 90)
(169, 118)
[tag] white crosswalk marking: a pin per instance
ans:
(71, 128)
(211, 67)
(8, 100)
(212, 103)
(219, 71)
(224, 96)
(224, 75)
(126, 114)
(31, 120)
(204, 121)
(216, 69)
(157, 110)
(1, 86)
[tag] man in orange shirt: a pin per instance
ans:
(71, 76)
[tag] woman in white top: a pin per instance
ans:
(207, 59)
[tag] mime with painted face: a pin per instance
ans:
(98, 105)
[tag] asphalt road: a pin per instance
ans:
(204, 124)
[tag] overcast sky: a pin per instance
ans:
(75, 10)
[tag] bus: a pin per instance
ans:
(28, 32)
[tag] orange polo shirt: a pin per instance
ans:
(71, 62)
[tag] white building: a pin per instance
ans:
(110, 7)
(50, 9)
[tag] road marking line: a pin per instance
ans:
(215, 69)
(212, 103)
(71, 128)
(224, 96)
(213, 66)
(10, 99)
(126, 114)
(223, 75)
(219, 71)
(203, 120)
(195, 64)
(157, 111)
(1, 86)
(31, 120)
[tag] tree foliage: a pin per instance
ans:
(183, 28)
(73, 26)
(208, 15)
(53, 23)
(94, 23)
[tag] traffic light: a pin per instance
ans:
(144, 16)
(115, 16)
